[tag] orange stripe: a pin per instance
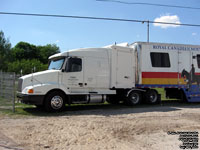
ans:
(163, 81)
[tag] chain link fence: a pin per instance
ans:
(7, 90)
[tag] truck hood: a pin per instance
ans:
(43, 77)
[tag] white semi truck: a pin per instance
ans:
(129, 73)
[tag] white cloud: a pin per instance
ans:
(57, 41)
(138, 36)
(168, 19)
(193, 34)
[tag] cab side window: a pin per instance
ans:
(74, 65)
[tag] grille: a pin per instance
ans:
(19, 88)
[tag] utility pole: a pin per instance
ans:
(147, 29)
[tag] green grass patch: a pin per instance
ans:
(6, 108)
(23, 110)
(163, 95)
(5, 102)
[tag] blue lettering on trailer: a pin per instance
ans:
(174, 47)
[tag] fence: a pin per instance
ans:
(7, 90)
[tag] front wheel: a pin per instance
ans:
(54, 101)
(134, 98)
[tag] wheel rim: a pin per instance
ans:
(56, 102)
(153, 96)
(135, 98)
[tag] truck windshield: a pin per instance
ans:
(56, 64)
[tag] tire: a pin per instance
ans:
(54, 101)
(152, 96)
(134, 98)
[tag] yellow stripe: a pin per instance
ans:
(163, 81)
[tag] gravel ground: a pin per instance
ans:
(140, 128)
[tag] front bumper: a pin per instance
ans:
(31, 99)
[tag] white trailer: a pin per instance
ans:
(115, 73)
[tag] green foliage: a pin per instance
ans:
(46, 51)
(24, 56)
(26, 66)
(4, 44)
(5, 48)
(25, 50)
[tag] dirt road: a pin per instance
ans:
(140, 128)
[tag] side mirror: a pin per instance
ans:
(63, 70)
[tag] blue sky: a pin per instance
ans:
(78, 33)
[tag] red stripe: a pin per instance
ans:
(160, 75)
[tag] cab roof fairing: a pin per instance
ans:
(91, 52)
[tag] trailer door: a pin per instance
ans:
(125, 69)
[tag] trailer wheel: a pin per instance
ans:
(151, 96)
(134, 98)
(54, 101)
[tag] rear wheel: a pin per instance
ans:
(134, 98)
(152, 96)
(54, 101)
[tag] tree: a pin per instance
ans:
(27, 56)
(24, 50)
(5, 48)
(46, 51)
(26, 66)
(24, 56)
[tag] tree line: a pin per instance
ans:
(23, 57)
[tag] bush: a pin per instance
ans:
(27, 66)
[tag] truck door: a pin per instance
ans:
(125, 71)
(73, 75)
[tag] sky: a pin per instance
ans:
(68, 33)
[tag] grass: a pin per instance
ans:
(4, 102)
(6, 108)
(23, 110)
(163, 96)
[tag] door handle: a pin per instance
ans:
(81, 84)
